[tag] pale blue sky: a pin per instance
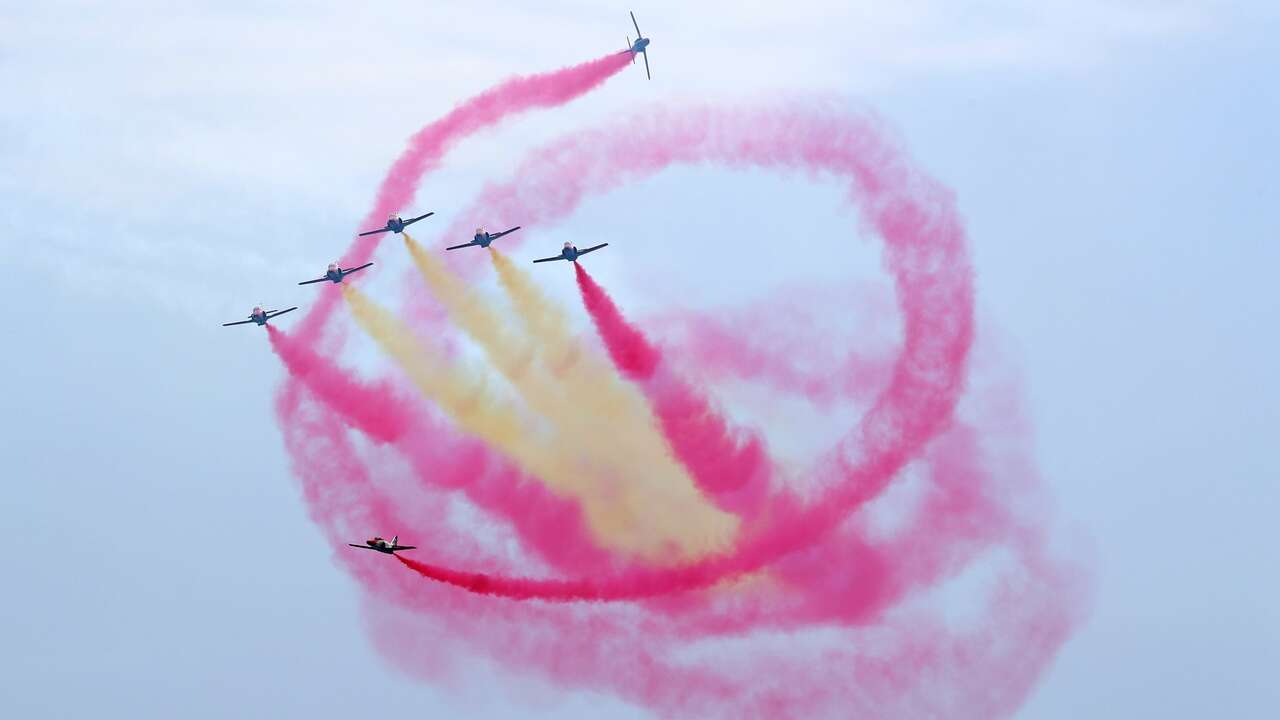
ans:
(163, 170)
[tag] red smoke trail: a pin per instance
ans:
(632, 353)
(731, 467)
(375, 409)
(428, 146)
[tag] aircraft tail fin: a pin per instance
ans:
(395, 540)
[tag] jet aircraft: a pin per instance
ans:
(382, 545)
(638, 46)
(261, 316)
(336, 274)
(396, 225)
(571, 253)
(482, 238)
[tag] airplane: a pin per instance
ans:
(571, 253)
(335, 274)
(639, 46)
(383, 546)
(396, 225)
(261, 316)
(482, 238)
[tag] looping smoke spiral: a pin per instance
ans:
(588, 513)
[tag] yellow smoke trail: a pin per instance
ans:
(607, 422)
(560, 351)
(593, 384)
(615, 510)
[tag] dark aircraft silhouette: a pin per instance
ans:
(396, 225)
(571, 253)
(261, 316)
(336, 274)
(482, 238)
(638, 46)
(383, 546)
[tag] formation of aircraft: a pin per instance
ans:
(383, 546)
(396, 225)
(336, 274)
(571, 253)
(482, 238)
(261, 316)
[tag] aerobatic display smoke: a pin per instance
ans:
(588, 510)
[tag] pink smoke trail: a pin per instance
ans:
(375, 409)
(755, 342)
(730, 466)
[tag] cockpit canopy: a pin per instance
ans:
(333, 267)
(568, 245)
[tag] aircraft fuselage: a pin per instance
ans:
(482, 239)
(639, 45)
(334, 275)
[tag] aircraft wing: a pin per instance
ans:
(633, 22)
(278, 313)
(558, 257)
(646, 63)
(348, 272)
(404, 547)
(308, 282)
(242, 322)
(592, 249)
(411, 221)
(459, 247)
(365, 547)
(495, 236)
(375, 232)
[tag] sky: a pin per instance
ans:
(168, 165)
